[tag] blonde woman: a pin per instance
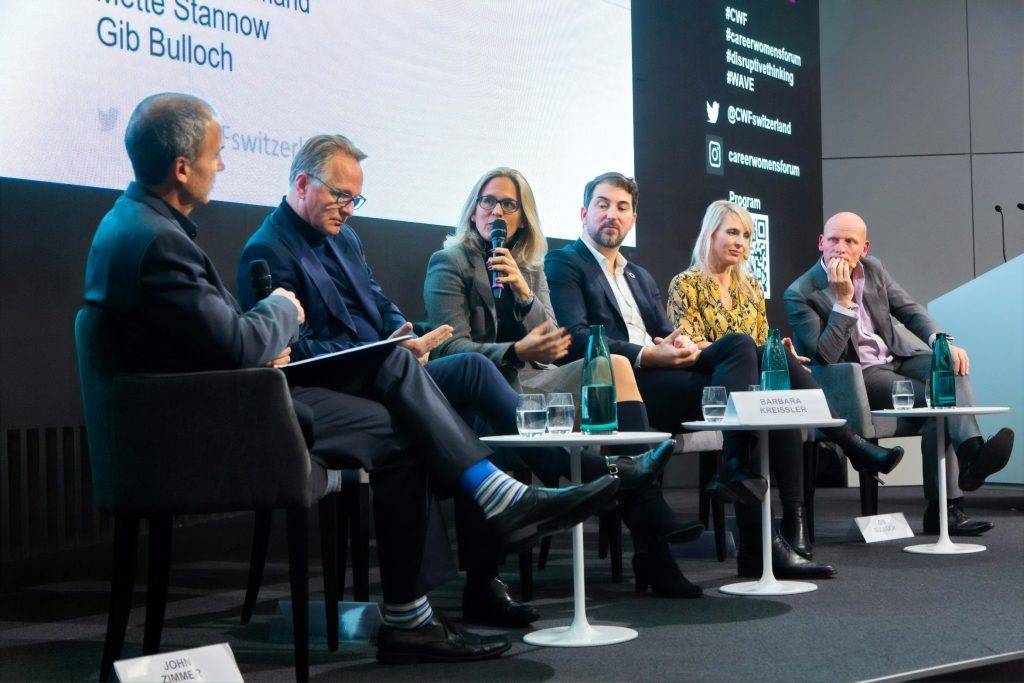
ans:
(718, 295)
(517, 331)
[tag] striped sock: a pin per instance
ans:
(493, 490)
(409, 615)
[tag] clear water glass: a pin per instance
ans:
(531, 415)
(903, 394)
(561, 413)
(753, 387)
(928, 392)
(713, 404)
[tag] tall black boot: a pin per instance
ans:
(632, 418)
(864, 456)
(794, 529)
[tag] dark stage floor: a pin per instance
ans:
(887, 612)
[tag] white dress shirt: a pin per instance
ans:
(623, 296)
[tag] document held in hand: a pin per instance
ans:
(342, 369)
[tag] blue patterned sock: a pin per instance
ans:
(493, 490)
(409, 615)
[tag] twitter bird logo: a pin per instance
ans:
(108, 119)
(712, 108)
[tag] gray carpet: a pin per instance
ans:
(888, 611)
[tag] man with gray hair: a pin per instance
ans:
(311, 250)
(172, 313)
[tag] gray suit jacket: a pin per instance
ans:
(457, 292)
(828, 336)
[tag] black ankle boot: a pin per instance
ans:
(794, 529)
(734, 484)
(657, 569)
(865, 456)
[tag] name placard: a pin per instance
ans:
(210, 663)
(885, 527)
(772, 407)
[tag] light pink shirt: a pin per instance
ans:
(871, 349)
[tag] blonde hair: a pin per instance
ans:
(714, 216)
(529, 246)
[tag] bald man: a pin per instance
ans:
(842, 311)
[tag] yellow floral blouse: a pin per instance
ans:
(695, 305)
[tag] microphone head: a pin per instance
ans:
(499, 231)
(999, 208)
(259, 274)
(1020, 205)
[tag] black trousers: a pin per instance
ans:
(673, 395)
(395, 422)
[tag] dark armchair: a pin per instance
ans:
(182, 444)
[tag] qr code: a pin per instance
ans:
(759, 263)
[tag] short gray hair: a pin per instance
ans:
(316, 153)
(162, 128)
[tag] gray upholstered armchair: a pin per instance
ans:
(159, 446)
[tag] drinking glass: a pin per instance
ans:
(713, 403)
(753, 387)
(902, 394)
(928, 392)
(531, 414)
(561, 413)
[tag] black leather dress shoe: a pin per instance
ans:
(658, 570)
(732, 485)
(786, 563)
(959, 523)
(979, 461)
(542, 512)
(637, 471)
(794, 529)
(868, 457)
(490, 603)
(440, 641)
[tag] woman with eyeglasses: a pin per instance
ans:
(518, 332)
(718, 295)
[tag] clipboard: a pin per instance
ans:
(342, 370)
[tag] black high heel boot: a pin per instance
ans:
(865, 456)
(786, 562)
(734, 484)
(658, 569)
(794, 529)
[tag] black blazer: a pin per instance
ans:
(294, 266)
(581, 297)
(172, 311)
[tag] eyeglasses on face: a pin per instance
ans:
(341, 198)
(488, 202)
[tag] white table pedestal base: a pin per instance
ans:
(947, 548)
(770, 587)
(767, 584)
(574, 636)
(580, 633)
(943, 546)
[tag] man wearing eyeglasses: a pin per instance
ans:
(312, 252)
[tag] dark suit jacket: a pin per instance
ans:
(174, 313)
(827, 336)
(581, 297)
(294, 266)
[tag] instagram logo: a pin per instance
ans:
(713, 157)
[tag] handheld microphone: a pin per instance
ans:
(1002, 228)
(499, 231)
(1020, 205)
(262, 284)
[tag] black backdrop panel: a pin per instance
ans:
(681, 63)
